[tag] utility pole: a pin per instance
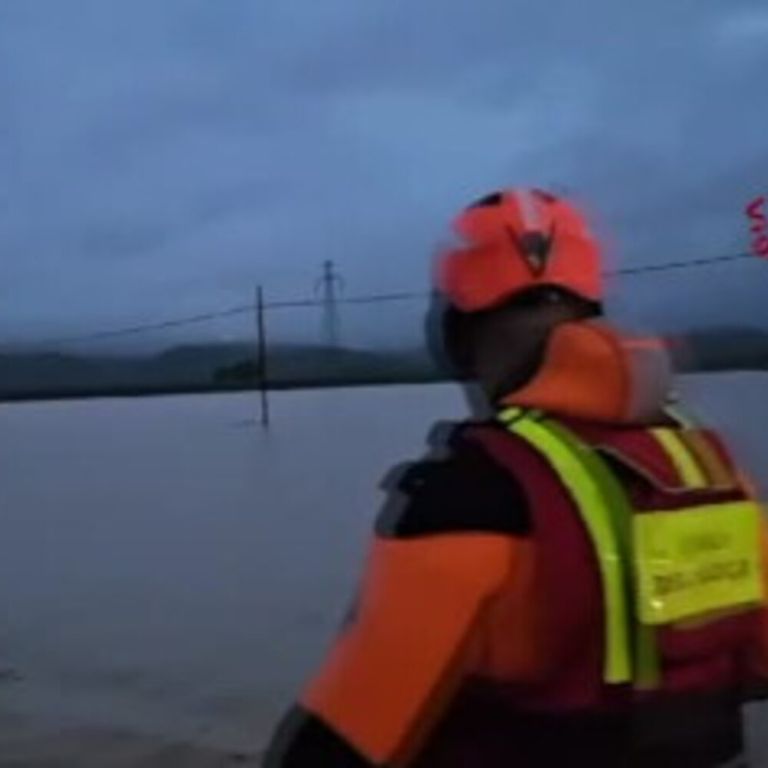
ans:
(327, 286)
(261, 358)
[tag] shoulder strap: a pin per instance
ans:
(606, 513)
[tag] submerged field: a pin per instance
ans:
(169, 572)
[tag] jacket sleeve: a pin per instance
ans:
(391, 673)
(414, 632)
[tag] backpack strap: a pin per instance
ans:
(607, 517)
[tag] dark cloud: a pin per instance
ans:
(161, 158)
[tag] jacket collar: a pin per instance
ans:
(593, 372)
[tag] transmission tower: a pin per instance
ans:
(327, 286)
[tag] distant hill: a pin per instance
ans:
(56, 373)
(722, 349)
(203, 367)
(291, 366)
(207, 367)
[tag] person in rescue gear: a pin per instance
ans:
(580, 578)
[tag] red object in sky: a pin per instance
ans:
(759, 226)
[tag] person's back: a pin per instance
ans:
(578, 577)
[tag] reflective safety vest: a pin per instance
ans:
(673, 539)
(555, 590)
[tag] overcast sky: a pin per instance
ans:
(160, 157)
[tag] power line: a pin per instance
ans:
(159, 326)
(364, 299)
(679, 265)
(385, 297)
(373, 298)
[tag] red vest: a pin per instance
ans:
(710, 657)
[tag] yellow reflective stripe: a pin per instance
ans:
(682, 458)
(646, 664)
(718, 474)
(647, 657)
(596, 513)
(508, 415)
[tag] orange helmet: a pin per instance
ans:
(515, 240)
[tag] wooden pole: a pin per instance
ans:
(261, 360)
